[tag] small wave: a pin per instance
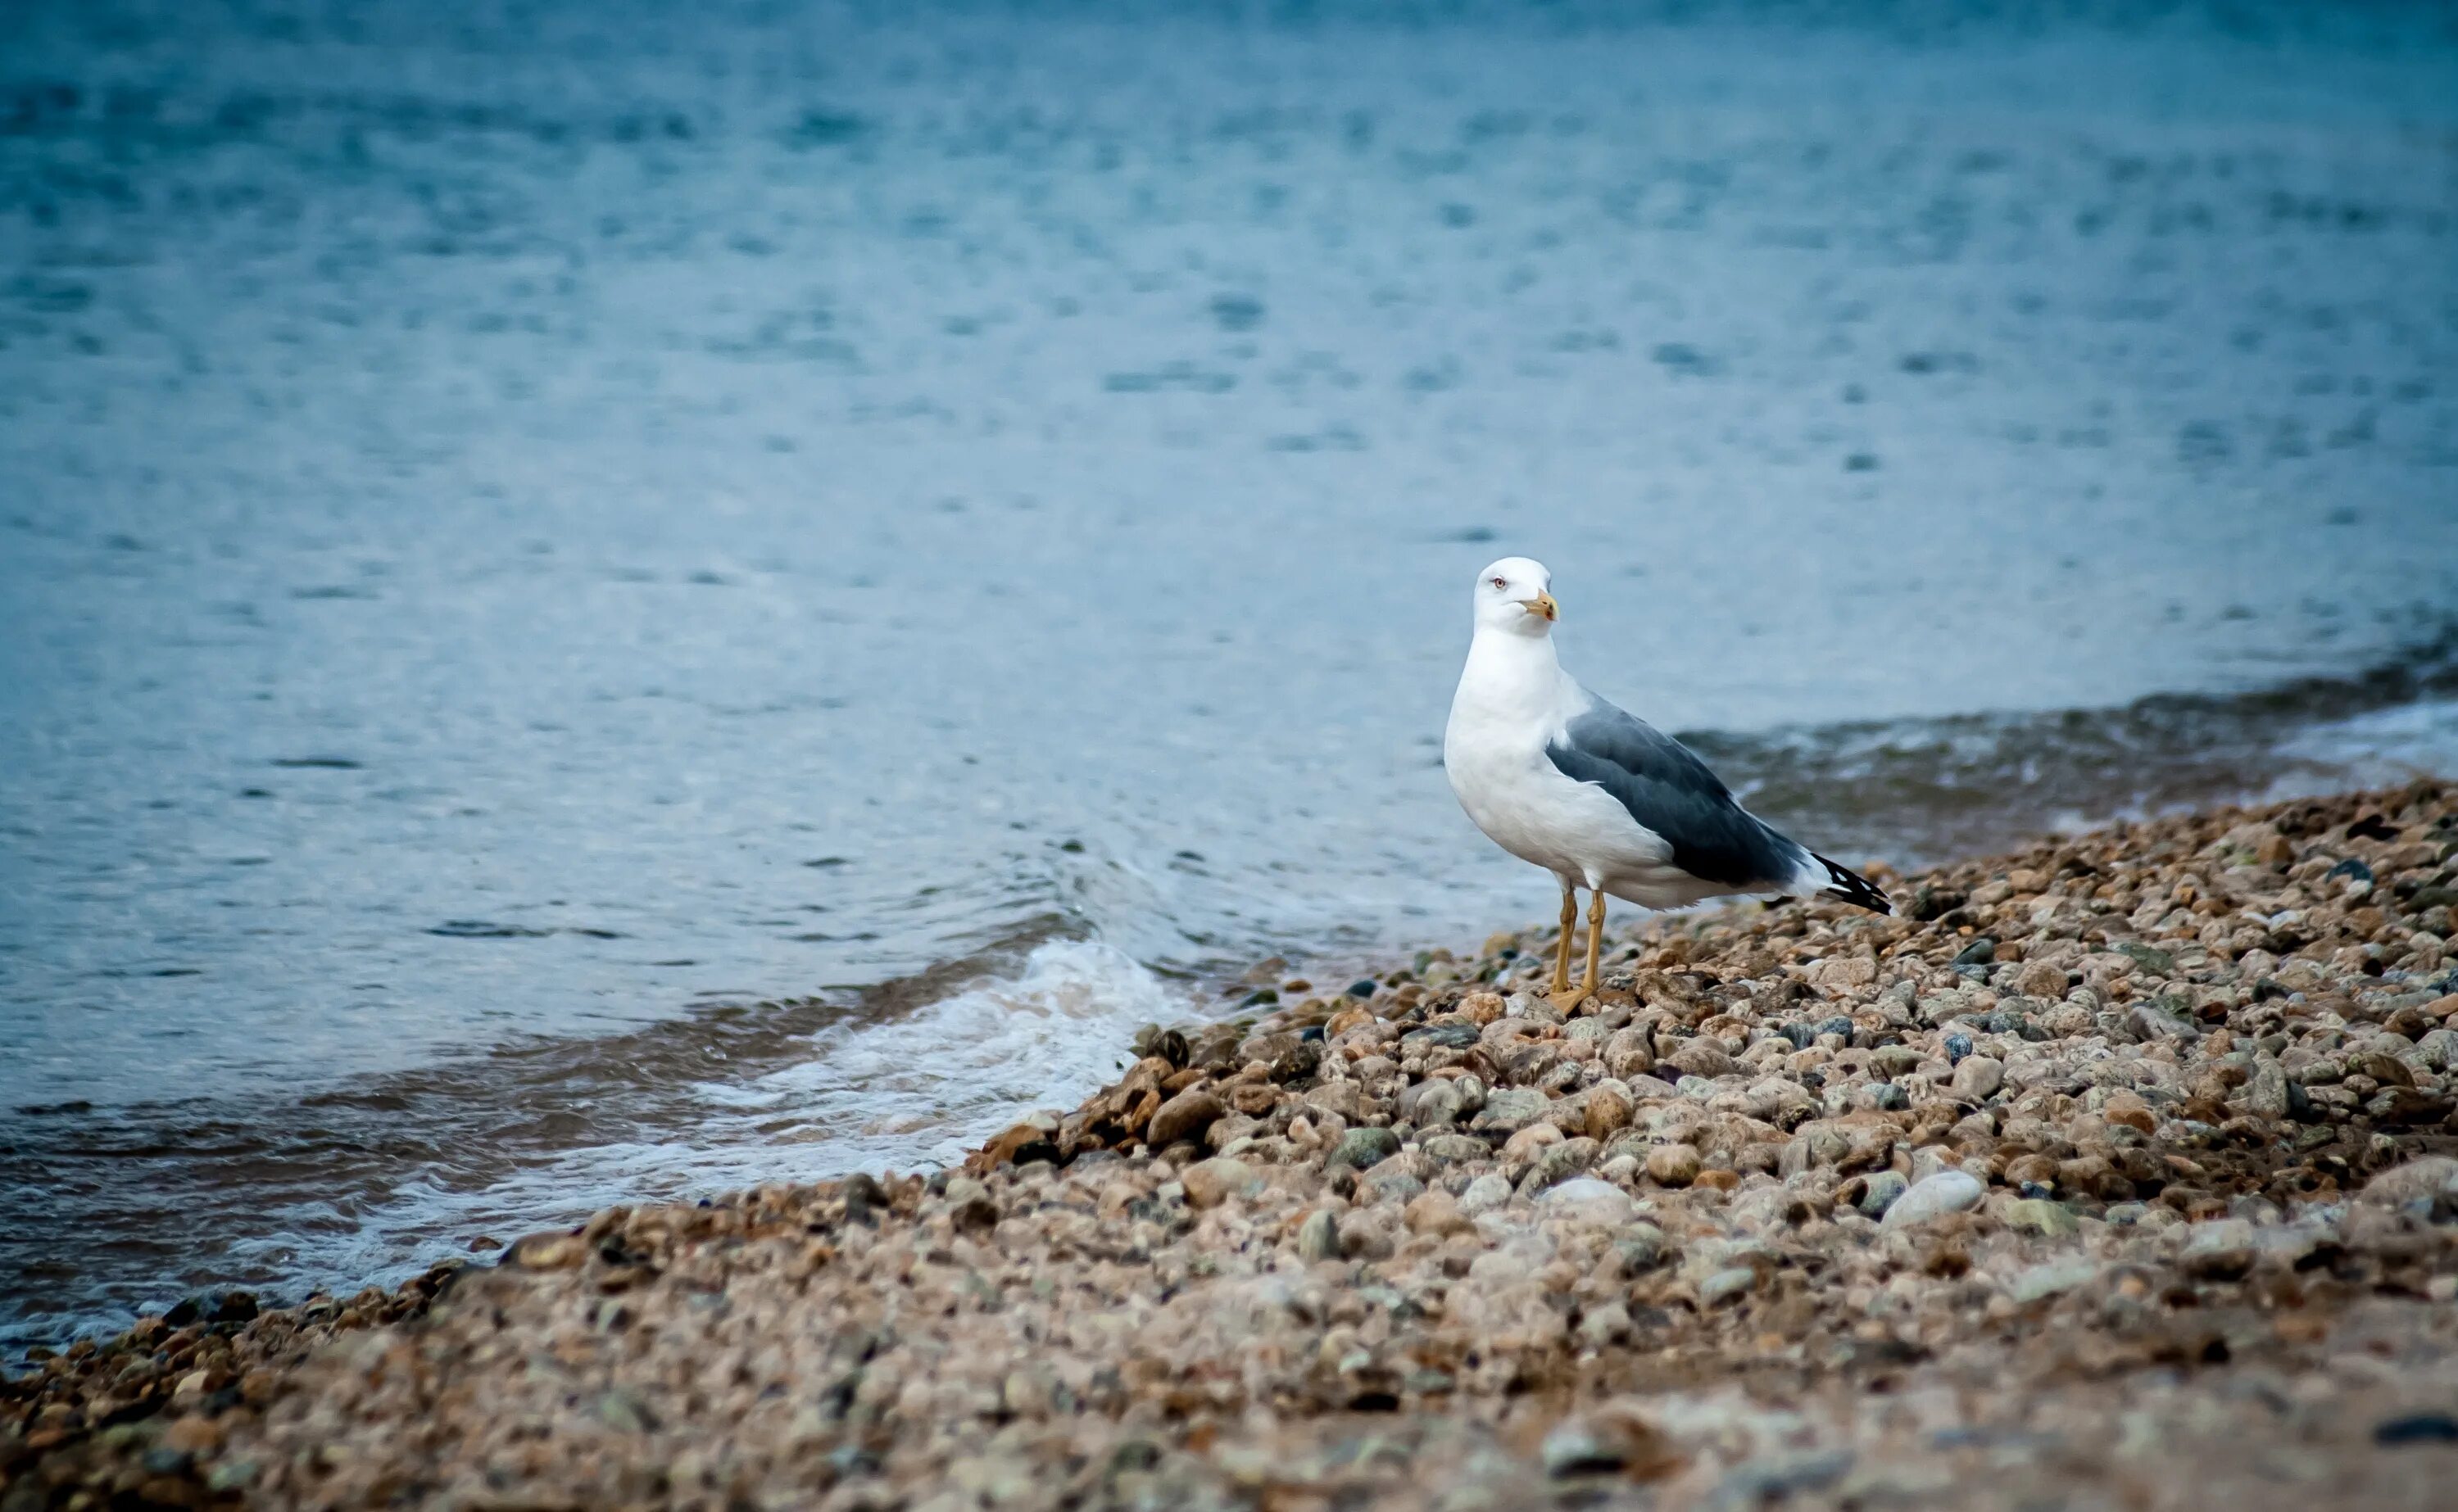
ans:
(930, 1085)
(381, 1175)
(1927, 790)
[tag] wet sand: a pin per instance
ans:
(2115, 1171)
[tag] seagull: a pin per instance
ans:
(1562, 779)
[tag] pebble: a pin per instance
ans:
(1881, 1192)
(1209, 1183)
(2051, 1279)
(1673, 1165)
(1935, 1196)
(1979, 1077)
(1439, 1107)
(1361, 1149)
(2421, 1427)
(1485, 1193)
(2429, 1180)
(1319, 1236)
(1726, 1284)
(1602, 1327)
(1608, 1108)
(1560, 1161)
(1605, 1443)
(1185, 1116)
(2266, 1092)
(1396, 1186)
(1451, 1149)
(1776, 1479)
(2039, 1215)
(1510, 1109)
(1113, 1323)
(2220, 1249)
(1436, 1212)
(1591, 1200)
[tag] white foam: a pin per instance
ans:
(2377, 749)
(929, 1085)
(915, 1091)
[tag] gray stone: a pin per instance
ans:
(1484, 1194)
(1881, 1192)
(2218, 1249)
(2266, 1094)
(1319, 1236)
(1508, 1110)
(1363, 1148)
(1641, 1246)
(1559, 1161)
(1586, 1197)
(1602, 1326)
(1396, 1186)
(2049, 1279)
(1726, 1284)
(1600, 1443)
(1449, 1149)
(1439, 1106)
(1777, 1478)
(2040, 1215)
(2438, 1049)
(1934, 1196)
(2149, 1023)
(2429, 1179)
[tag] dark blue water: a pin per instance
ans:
(599, 598)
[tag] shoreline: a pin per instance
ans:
(2122, 1167)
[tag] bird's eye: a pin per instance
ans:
(1502, 582)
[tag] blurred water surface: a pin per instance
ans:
(529, 533)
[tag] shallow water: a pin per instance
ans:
(611, 603)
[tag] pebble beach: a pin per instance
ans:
(2117, 1171)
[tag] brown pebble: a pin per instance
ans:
(1609, 1113)
(1673, 1165)
(1185, 1116)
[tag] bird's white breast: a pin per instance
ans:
(1512, 699)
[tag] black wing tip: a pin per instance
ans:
(1852, 887)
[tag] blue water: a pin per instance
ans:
(582, 585)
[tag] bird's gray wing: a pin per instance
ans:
(1670, 792)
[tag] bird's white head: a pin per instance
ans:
(1513, 595)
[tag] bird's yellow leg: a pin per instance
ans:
(1564, 996)
(1562, 950)
(1595, 938)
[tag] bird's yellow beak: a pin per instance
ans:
(1542, 604)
